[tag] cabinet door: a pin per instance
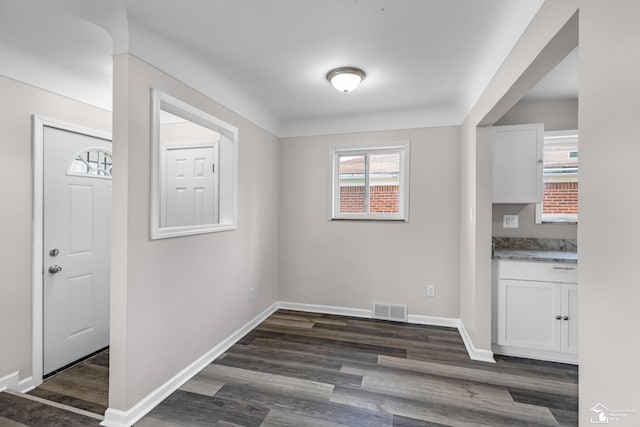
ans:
(527, 314)
(517, 163)
(570, 318)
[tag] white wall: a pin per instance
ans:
(352, 263)
(17, 103)
(527, 226)
(560, 114)
(609, 278)
(549, 38)
(175, 299)
(556, 115)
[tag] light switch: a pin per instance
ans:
(510, 221)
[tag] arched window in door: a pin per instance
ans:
(92, 162)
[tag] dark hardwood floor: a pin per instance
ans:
(75, 396)
(18, 410)
(84, 385)
(305, 369)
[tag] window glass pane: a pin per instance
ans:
(351, 174)
(93, 162)
(560, 202)
(384, 183)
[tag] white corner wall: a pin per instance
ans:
(551, 35)
(175, 299)
(351, 263)
(561, 114)
(17, 104)
(609, 278)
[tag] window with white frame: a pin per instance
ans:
(370, 182)
(560, 178)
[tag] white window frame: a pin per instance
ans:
(565, 135)
(337, 151)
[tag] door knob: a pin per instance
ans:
(557, 317)
(55, 269)
(565, 318)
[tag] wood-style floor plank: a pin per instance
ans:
(85, 381)
(327, 349)
(65, 399)
(441, 413)
(400, 383)
(289, 323)
(292, 369)
(191, 409)
(480, 375)
(298, 405)
(84, 385)
(312, 390)
(22, 411)
(338, 333)
(309, 339)
(482, 403)
(6, 422)
(202, 384)
(281, 418)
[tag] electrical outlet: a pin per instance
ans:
(252, 294)
(431, 290)
(510, 221)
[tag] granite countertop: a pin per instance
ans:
(536, 255)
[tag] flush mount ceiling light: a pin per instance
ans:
(346, 79)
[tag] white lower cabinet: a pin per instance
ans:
(536, 310)
(570, 326)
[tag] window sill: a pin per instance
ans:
(370, 219)
(169, 232)
(558, 223)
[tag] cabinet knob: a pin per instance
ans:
(558, 317)
(565, 318)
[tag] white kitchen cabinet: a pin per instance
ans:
(517, 164)
(536, 310)
(570, 326)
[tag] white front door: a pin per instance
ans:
(77, 246)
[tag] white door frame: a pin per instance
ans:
(37, 272)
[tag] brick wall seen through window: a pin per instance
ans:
(560, 202)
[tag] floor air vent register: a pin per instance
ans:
(394, 312)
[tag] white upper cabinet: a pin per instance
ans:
(517, 164)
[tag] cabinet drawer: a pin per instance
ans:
(538, 271)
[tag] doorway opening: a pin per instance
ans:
(71, 248)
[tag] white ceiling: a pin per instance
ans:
(427, 61)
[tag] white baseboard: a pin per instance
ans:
(9, 381)
(325, 309)
(474, 353)
(14, 383)
(25, 385)
(549, 356)
(118, 418)
(449, 322)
